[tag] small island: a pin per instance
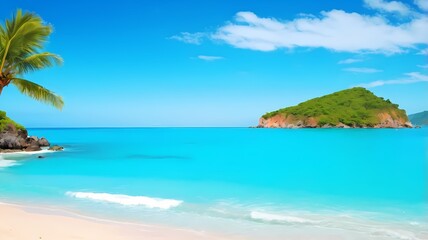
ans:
(420, 119)
(351, 108)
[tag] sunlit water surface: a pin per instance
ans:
(255, 183)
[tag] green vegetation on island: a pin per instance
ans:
(419, 118)
(5, 121)
(21, 40)
(355, 107)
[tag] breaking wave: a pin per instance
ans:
(128, 200)
(4, 163)
(28, 153)
(268, 217)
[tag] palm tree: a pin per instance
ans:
(21, 41)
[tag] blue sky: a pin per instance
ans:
(217, 63)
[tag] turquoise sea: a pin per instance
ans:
(254, 183)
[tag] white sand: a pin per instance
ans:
(26, 223)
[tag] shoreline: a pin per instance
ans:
(22, 222)
(7, 158)
(45, 222)
(17, 152)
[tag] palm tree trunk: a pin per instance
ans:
(4, 81)
(1, 83)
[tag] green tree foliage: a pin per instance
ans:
(6, 121)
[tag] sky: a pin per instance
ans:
(219, 63)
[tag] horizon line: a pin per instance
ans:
(106, 127)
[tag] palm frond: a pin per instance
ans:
(38, 92)
(21, 40)
(22, 36)
(36, 62)
(2, 41)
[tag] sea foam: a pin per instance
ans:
(375, 229)
(27, 153)
(128, 200)
(4, 163)
(269, 217)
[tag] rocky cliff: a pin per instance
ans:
(14, 137)
(14, 140)
(351, 108)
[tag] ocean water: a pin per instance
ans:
(251, 183)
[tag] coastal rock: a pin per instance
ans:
(32, 139)
(33, 147)
(10, 142)
(32, 144)
(43, 142)
(56, 148)
(408, 125)
(389, 121)
(22, 133)
(10, 138)
(341, 125)
(14, 140)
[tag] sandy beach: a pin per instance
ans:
(28, 223)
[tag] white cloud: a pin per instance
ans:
(363, 70)
(422, 4)
(350, 60)
(417, 75)
(192, 38)
(335, 30)
(412, 77)
(385, 6)
(209, 58)
(423, 66)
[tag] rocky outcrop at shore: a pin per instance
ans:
(290, 121)
(56, 148)
(15, 140)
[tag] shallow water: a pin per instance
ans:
(256, 183)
